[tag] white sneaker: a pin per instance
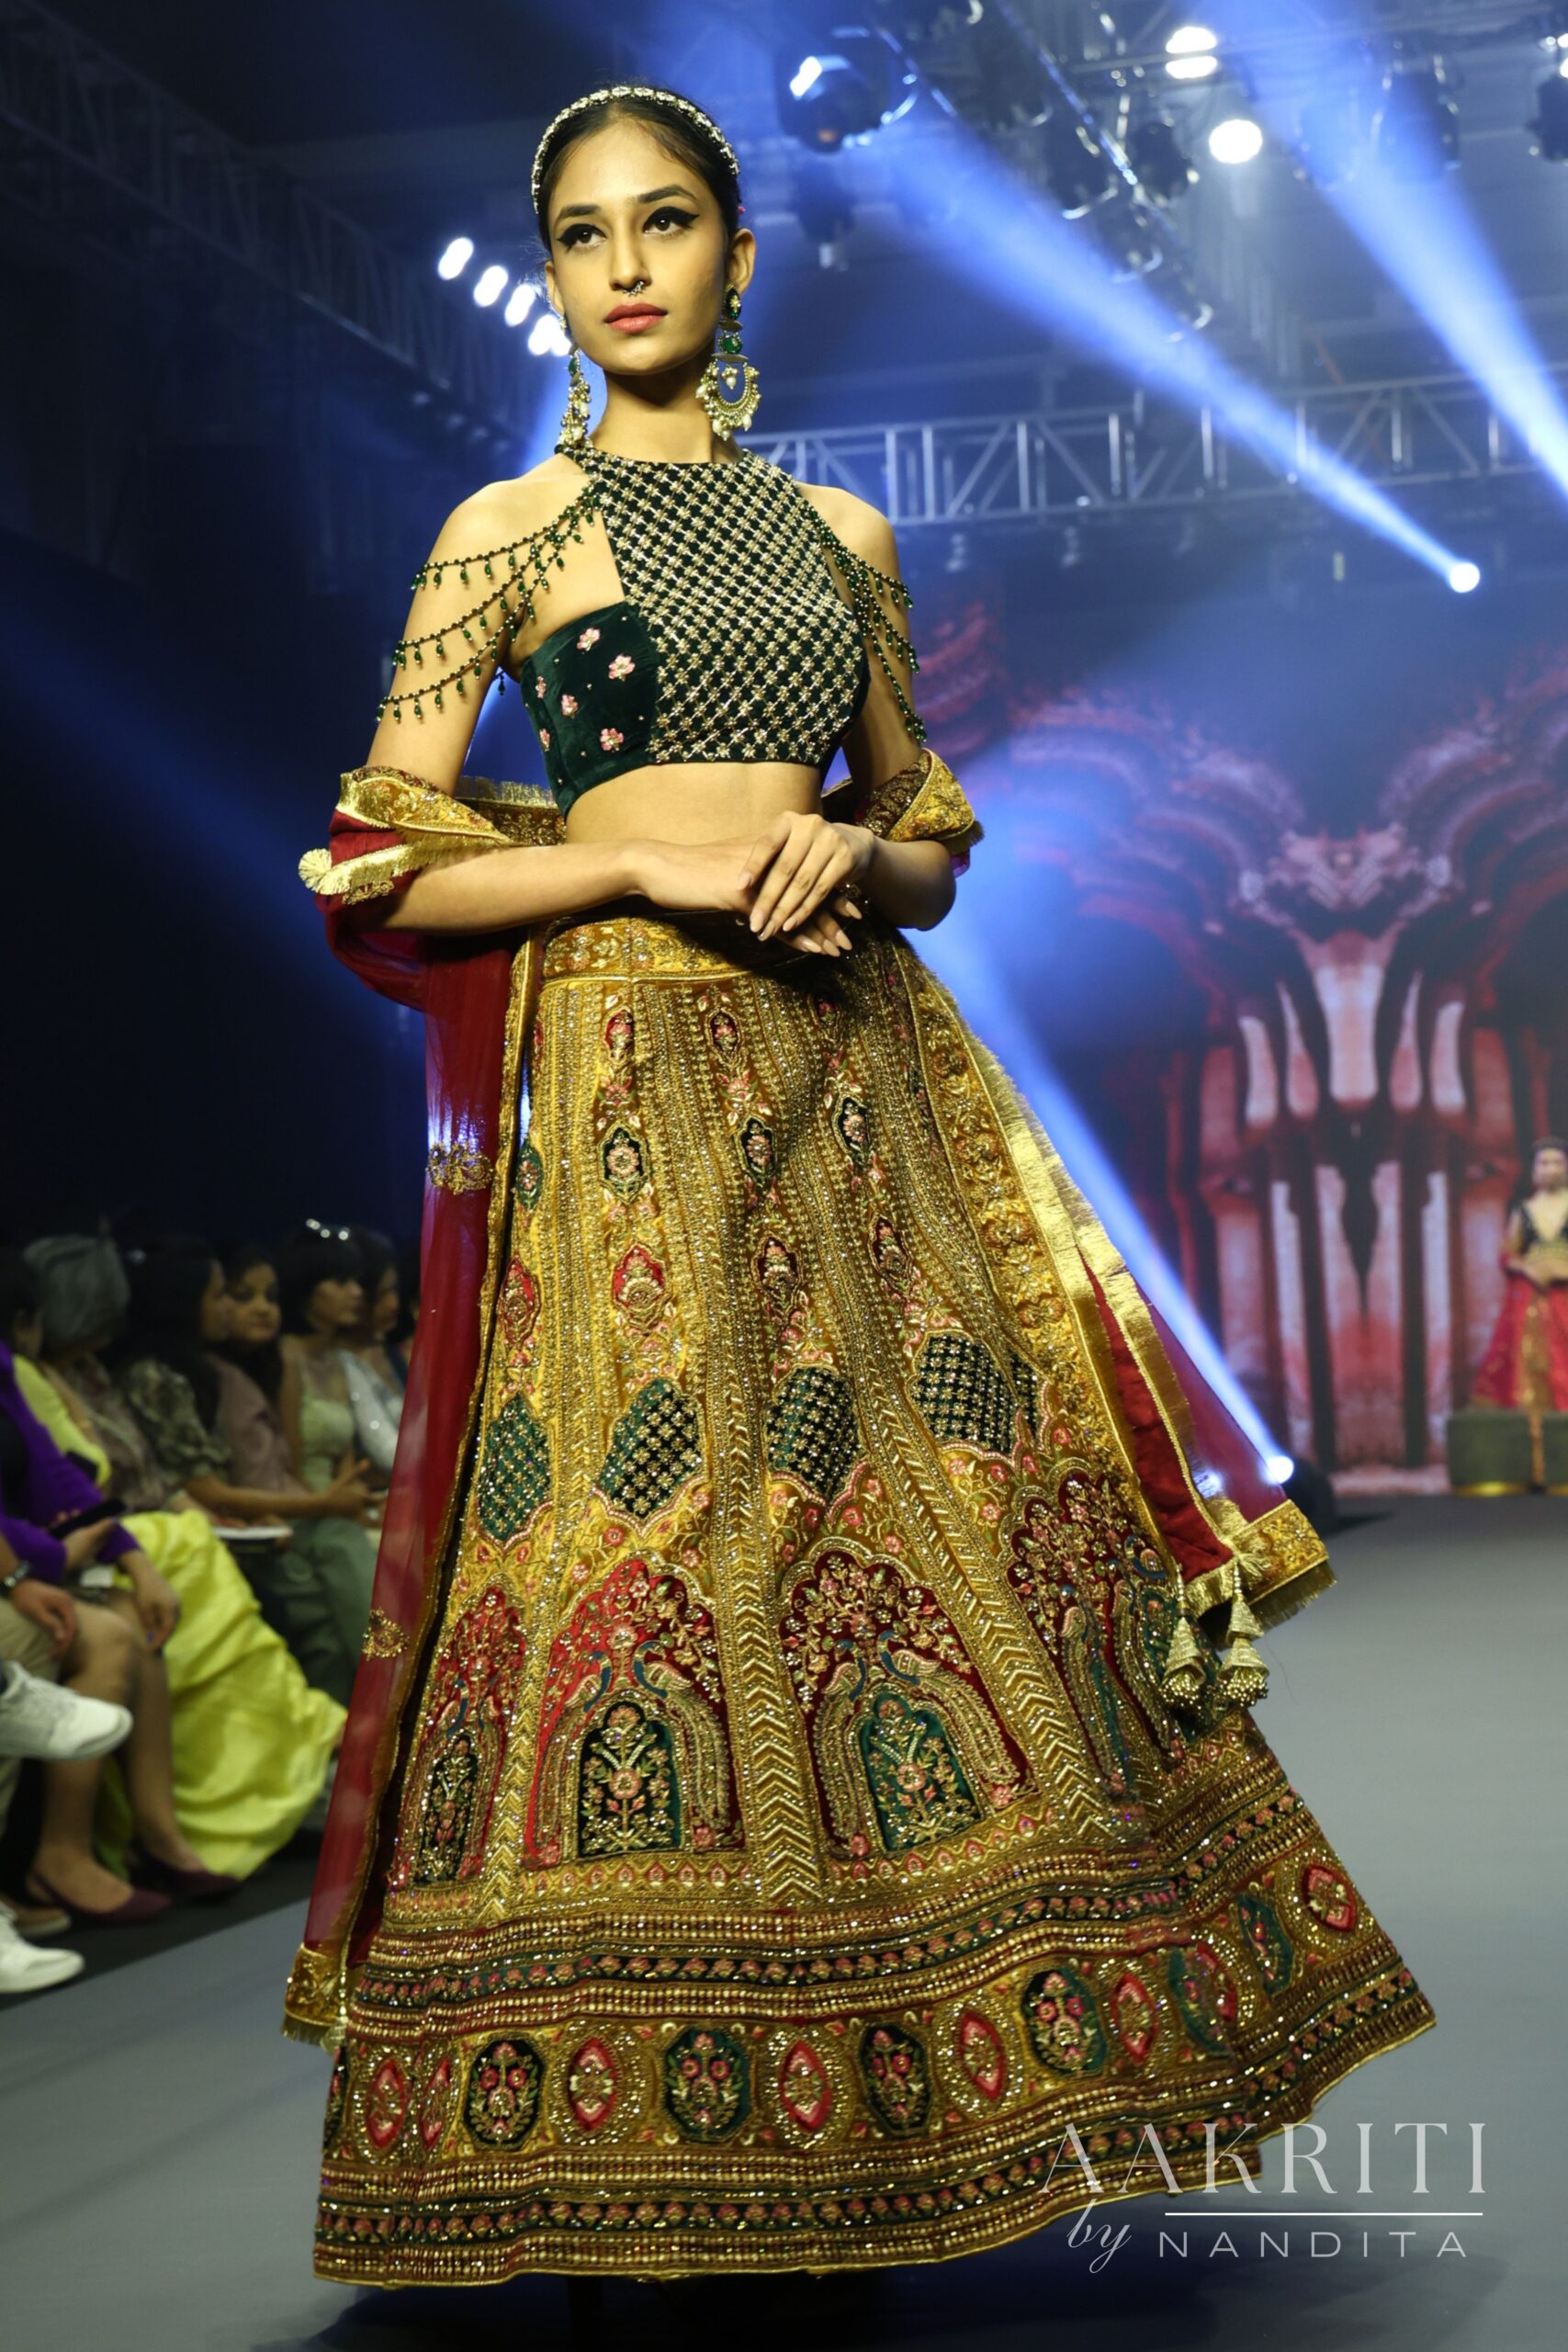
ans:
(37, 1718)
(30, 1968)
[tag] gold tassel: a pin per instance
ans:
(1243, 1677)
(1181, 1684)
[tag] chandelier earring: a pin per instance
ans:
(574, 419)
(728, 388)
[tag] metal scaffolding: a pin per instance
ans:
(99, 152)
(1088, 464)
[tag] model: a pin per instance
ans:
(1525, 1365)
(791, 1778)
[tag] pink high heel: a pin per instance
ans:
(140, 1905)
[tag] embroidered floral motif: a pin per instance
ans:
(758, 1153)
(902, 1736)
(590, 637)
(456, 1766)
(707, 2083)
(568, 704)
(538, 689)
(1266, 1939)
(897, 2077)
(459, 1168)
(592, 2084)
(805, 2087)
(610, 739)
(529, 1182)
(1062, 2018)
(633, 1743)
(1203, 1993)
(916, 1782)
(981, 2054)
(622, 666)
(502, 2105)
(383, 1638)
(1134, 2016)
(622, 1161)
(545, 737)
(638, 1288)
(628, 1800)
(852, 1124)
(1328, 1896)
(386, 2105)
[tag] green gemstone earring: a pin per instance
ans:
(574, 419)
(728, 386)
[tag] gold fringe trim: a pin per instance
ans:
(436, 828)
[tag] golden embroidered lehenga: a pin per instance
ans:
(793, 1776)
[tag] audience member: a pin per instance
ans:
(322, 1298)
(175, 1380)
(38, 1624)
(252, 1743)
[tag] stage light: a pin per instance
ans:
(1549, 130)
(1189, 53)
(1415, 130)
(828, 95)
(456, 257)
(1463, 577)
(1077, 170)
(1157, 155)
(1237, 139)
(1006, 236)
(1278, 1468)
(546, 335)
(1426, 239)
(490, 285)
(519, 302)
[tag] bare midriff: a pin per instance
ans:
(694, 802)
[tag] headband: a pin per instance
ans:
(631, 90)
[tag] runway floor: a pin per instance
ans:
(159, 2137)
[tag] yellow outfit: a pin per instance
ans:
(253, 1742)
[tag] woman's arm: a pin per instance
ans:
(474, 612)
(347, 1497)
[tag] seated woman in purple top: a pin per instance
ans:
(113, 1655)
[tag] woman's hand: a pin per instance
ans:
(156, 1601)
(797, 863)
(48, 1608)
(84, 1544)
(349, 1496)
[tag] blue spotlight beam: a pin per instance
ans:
(1424, 235)
(1002, 230)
